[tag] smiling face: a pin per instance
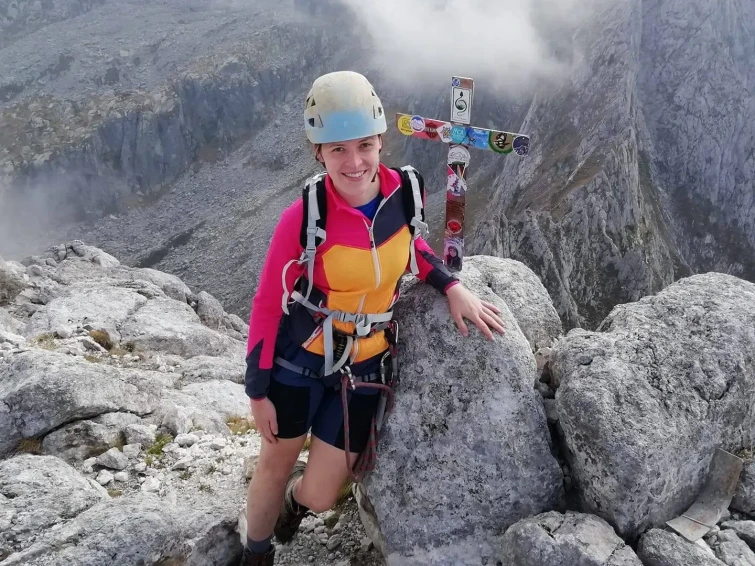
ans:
(352, 165)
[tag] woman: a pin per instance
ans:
(356, 270)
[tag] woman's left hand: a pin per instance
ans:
(465, 304)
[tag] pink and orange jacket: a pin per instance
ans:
(357, 269)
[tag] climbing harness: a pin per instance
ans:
(386, 379)
(313, 234)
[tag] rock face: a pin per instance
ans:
(553, 539)
(634, 178)
(109, 121)
(644, 402)
(101, 341)
(465, 452)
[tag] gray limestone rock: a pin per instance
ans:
(207, 368)
(32, 404)
(452, 471)
(663, 548)
(12, 281)
(744, 529)
(553, 539)
(210, 310)
(524, 294)
(37, 492)
(732, 550)
(645, 401)
(744, 498)
(140, 529)
(165, 325)
(104, 307)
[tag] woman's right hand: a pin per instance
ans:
(265, 418)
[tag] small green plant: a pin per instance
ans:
(747, 453)
(185, 475)
(92, 358)
(149, 460)
(205, 487)
(102, 338)
(157, 448)
(211, 469)
(114, 492)
(343, 496)
(46, 341)
(240, 425)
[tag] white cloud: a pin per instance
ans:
(510, 45)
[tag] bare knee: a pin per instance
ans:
(276, 463)
(317, 503)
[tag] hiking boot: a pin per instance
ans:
(291, 513)
(249, 559)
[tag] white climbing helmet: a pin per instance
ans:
(342, 106)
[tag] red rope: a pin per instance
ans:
(365, 462)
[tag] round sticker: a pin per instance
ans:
(456, 82)
(458, 154)
(500, 142)
(454, 226)
(417, 123)
(404, 125)
(521, 145)
(458, 134)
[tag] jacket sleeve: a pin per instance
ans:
(432, 270)
(267, 308)
(431, 267)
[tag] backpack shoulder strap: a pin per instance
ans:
(413, 193)
(312, 232)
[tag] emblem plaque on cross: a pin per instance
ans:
(460, 136)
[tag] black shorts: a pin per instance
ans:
(304, 403)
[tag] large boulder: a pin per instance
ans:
(465, 452)
(41, 390)
(36, 492)
(664, 548)
(142, 529)
(553, 539)
(524, 294)
(645, 401)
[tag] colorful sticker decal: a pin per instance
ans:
(458, 134)
(454, 226)
(521, 145)
(431, 128)
(458, 154)
(417, 123)
(455, 183)
(404, 125)
(461, 99)
(500, 142)
(453, 250)
(445, 133)
(478, 138)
